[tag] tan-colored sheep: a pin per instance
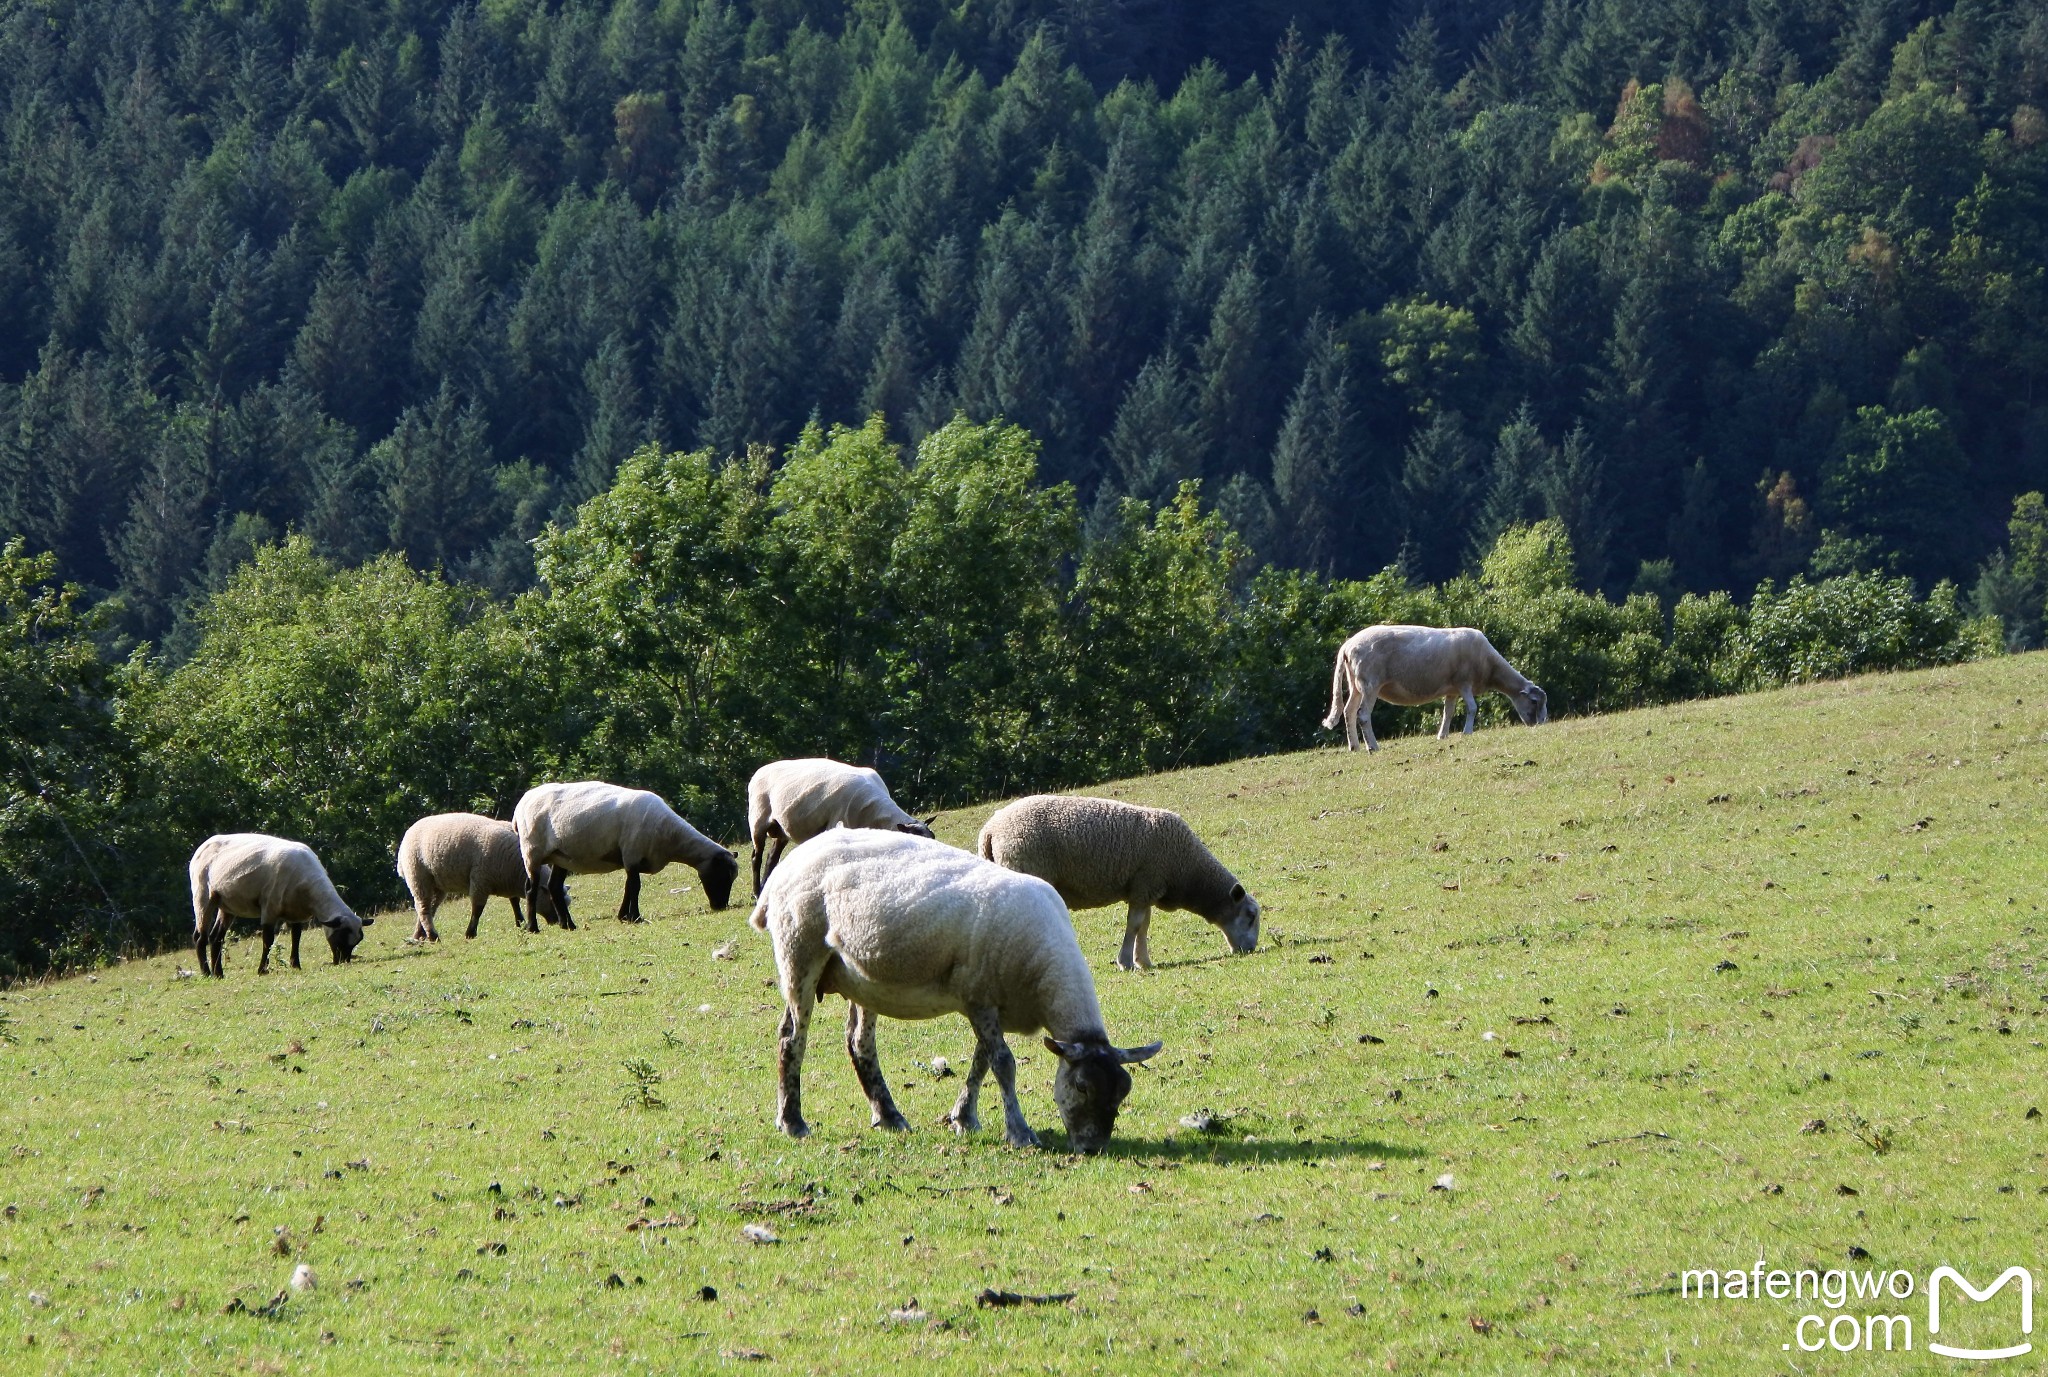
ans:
(277, 882)
(452, 854)
(1098, 851)
(791, 801)
(591, 828)
(1412, 665)
(905, 927)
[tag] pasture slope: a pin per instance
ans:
(1605, 975)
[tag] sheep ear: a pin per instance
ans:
(368, 921)
(930, 820)
(1059, 1049)
(1131, 1056)
(1236, 893)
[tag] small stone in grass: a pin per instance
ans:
(303, 1278)
(759, 1233)
(941, 1068)
(1446, 1182)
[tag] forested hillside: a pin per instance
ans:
(1749, 289)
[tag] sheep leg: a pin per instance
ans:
(218, 940)
(860, 1047)
(424, 906)
(789, 1065)
(988, 1034)
(1359, 711)
(1471, 709)
(532, 903)
(558, 890)
(1136, 953)
(629, 903)
(781, 839)
(199, 935)
(1443, 728)
(269, 936)
(966, 1113)
(297, 929)
(477, 904)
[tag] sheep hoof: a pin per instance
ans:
(895, 1123)
(963, 1125)
(1022, 1138)
(795, 1128)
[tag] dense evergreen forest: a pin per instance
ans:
(1729, 291)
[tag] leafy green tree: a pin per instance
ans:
(338, 706)
(87, 866)
(1896, 484)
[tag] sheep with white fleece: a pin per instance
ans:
(452, 854)
(591, 828)
(1412, 665)
(791, 801)
(1098, 851)
(277, 882)
(908, 928)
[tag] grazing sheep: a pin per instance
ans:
(908, 928)
(592, 827)
(1098, 851)
(1411, 665)
(279, 883)
(465, 853)
(794, 800)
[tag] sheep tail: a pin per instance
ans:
(759, 917)
(1339, 687)
(986, 845)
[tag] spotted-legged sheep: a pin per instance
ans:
(1412, 665)
(1098, 851)
(279, 883)
(907, 928)
(791, 801)
(452, 854)
(590, 828)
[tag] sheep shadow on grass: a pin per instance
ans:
(1266, 949)
(1198, 1147)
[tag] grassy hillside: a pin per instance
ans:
(1602, 974)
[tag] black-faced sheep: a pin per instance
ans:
(279, 883)
(791, 801)
(908, 928)
(1412, 665)
(451, 854)
(1098, 851)
(590, 828)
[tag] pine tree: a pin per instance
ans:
(1575, 491)
(440, 497)
(617, 425)
(1155, 442)
(165, 535)
(1439, 494)
(1515, 479)
(1314, 453)
(1232, 364)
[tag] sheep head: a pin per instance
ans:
(1532, 705)
(718, 873)
(1240, 921)
(344, 935)
(1090, 1088)
(919, 829)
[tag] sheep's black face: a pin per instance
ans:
(1240, 923)
(718, 875)
(343, 937)
(1090, 1088)
(917, 829)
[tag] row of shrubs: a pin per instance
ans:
(939, 615)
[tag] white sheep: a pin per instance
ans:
(908, 928)
(1098, 851)
(279, 883)
(1412, 665)
(590, 828)
(792, 801)
(452, 854)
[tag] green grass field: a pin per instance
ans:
(1604, 975)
